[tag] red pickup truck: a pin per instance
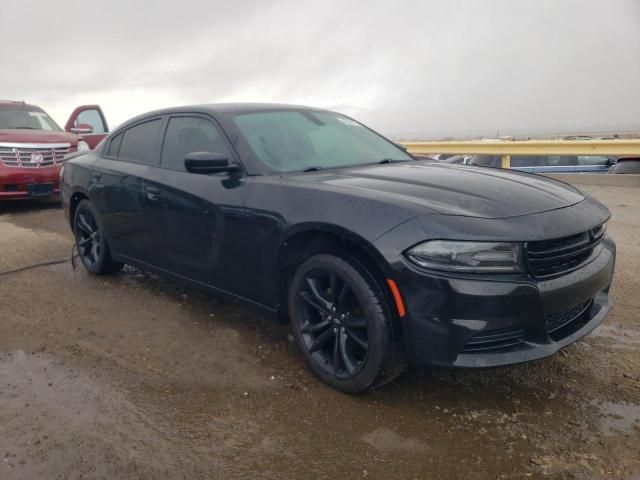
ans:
(33, 147)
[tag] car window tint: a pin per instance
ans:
(494, 161)
(114, 145)
(93, 118)
(187, 135)
(592, 160)
(527, 161)
(139, 142)
(560, 161)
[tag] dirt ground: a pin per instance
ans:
(133, 377)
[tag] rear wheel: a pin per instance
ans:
(92, 246)
(342, 325)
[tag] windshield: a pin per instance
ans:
(30, 119)
(294, 140)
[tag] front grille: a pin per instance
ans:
(495, 340)
(33, 155)
(548, 258)
(556, 321)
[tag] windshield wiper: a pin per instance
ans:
(26, 128)
(312, 169)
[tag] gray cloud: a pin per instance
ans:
(413, 69)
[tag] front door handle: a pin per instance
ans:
(95, 181)
(152, 193)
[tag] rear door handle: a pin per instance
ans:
(95, 176)
(152, 193)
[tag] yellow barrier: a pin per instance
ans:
(506, 148)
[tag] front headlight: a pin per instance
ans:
(461, 256)
(600, 231)
(83, 146)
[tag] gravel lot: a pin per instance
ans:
(132, 377)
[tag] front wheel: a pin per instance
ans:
(342, 326)
(92, 246)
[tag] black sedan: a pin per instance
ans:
(377, 259)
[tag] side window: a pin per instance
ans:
(93, 118)
(190, 134)
(114, 145)
(139, 142)
(560, 161)
(592, 160)
(526, 161)
(494, 161)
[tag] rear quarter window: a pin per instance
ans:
(114, 146)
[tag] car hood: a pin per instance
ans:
(37, 136)
(451, 189)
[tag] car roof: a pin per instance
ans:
(230, 107)
(218, 108)
(17, 105)
(252, 107)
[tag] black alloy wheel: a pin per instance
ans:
(89, 247)
(341, 325)
(92, 247)
(333, 324)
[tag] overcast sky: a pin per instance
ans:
(412, 69)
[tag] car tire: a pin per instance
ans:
(93, 250)
(342, 324)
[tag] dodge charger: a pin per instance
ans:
(377, 259)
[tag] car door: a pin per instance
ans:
(117, 186)
(195, 215)
(89, 122)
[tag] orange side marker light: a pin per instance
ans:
(396, 297)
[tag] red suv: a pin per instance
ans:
(33, 146)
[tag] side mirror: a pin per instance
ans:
(208, 162)
(82, 129)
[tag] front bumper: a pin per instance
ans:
(15, 182)
(473, 323)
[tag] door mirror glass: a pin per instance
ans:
(93, 119)
(82, 129)
(208, 162)
(90, 115)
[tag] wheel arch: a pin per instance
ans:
(74, 200)
(309, 239)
